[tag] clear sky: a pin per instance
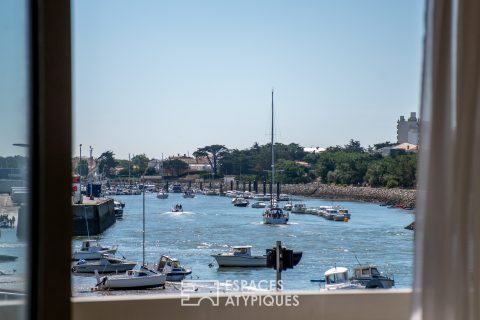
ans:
(172, 76)
(13, 77)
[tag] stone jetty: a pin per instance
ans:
(393, 196)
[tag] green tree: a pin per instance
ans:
(140, 164)
(177, 165)
(213, 154)
(106, 162)
(150, 171)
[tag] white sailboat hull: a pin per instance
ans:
(126, 282)
(272, 220)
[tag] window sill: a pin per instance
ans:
(358, 305)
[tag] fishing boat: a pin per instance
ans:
(274, 214)
(240, 256)
(140, 277)
(92, 250)
(288, 206)
(106, 264)
(172, 268)
(371, 278)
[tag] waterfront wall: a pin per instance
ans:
(93, 218)
(403, 197)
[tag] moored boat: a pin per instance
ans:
(240, 202)
(337, 279)
(106, 264)
(371, 278)
(172, 268)
(259, 205)
(138, 278)
(92, 250)
(240, 256)
(299, 208)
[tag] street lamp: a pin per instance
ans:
(80, 163)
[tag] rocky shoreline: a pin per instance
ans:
(401, 197)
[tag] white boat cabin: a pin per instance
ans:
(242, 250)
(336, 275)
(91, 245)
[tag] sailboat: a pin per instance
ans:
(141, 277)
(274, 214)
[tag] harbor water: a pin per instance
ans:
(211, 224)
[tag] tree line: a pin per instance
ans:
(350, 164)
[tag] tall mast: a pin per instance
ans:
(273, 161)
(143, 233)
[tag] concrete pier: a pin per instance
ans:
(93, 216)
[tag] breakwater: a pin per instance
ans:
(93, 216)
(402, 197)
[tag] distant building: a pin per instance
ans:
(157, 164)
(407, 130)
(313, 150)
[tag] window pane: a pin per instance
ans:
(173, 119)
(14, 135)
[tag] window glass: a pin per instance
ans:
(175, 119)
(14, 140)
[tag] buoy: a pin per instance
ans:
(345, 219)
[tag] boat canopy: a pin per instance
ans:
(240, 250)
(365, 271)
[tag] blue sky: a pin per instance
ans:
(171, 76)
(13, 77)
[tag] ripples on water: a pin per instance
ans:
(211, 224)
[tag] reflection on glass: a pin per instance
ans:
(14, 193)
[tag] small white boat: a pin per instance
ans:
(240, 256)
(299, 208)
(118, 208)
(138, 278)
(177, 208)
(106, 264)
(92, 250)
(259, 204)
(162, 194)
(189, 194)
(288, 206)
(240, 202)
(311, 210)
(337, 279)
(172, 268)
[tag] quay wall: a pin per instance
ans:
(394, 196)
(93, 218)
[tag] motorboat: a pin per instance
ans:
(275, 215)
(259, 204)
(92, 250)
(240, 256)
(106, 264)
(337, 279)
(371, 278)
(118, 209)
(189, 194)
(345, 213)
(177, 208)
(162, 194)
(311, 210)
(299, 208)
(138, 278)
(172, 268)
(240, 202)
(288, 206)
